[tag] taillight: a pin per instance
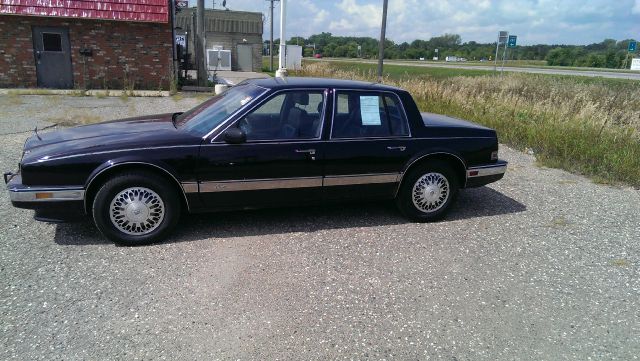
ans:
(494, 155)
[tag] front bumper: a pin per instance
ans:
(51, 204)
(485, 174)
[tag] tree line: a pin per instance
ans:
(606, 54)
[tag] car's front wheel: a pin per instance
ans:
(427, 191)
(136, 208)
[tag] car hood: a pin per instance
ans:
(131, 132)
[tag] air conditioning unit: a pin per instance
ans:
(218, 59)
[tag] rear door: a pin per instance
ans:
(368, 145)
(53, 57)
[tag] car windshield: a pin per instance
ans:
(208, 115)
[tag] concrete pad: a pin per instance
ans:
(235, 77)
(232, 77)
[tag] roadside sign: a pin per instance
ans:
(632, 46)
(635, 64)
(502, 37)
(182, 4)
(513, 39)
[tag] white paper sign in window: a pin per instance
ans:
(370, 110)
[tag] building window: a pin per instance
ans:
(51, 42)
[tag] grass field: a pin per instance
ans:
(392, 71)
(403, 72)
(585, 125)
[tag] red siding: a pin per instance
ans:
(156, 11)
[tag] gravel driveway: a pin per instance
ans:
(542, 265)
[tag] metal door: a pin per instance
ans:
(53, 57)
(368, 147)
(270, 168)
(245, 57)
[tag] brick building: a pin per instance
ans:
(239, 32)
(114, 44)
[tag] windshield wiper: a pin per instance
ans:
(174, 116)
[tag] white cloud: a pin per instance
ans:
(355, 15)
(636, 7)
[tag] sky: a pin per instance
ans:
(534, 21)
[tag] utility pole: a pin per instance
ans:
(271, 36)
(200, 53)
(382, 37)
(282, 69)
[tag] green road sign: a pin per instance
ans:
(632, 46)
(513, 39)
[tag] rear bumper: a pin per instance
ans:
(51, 204)
(485, 174)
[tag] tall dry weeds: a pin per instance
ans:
(537, 95)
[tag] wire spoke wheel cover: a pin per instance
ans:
(137, 211)
(430, 192)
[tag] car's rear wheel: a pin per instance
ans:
(136, 208)
(427, 191)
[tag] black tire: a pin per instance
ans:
(405, 197)
(147, 186)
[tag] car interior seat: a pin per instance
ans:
(295, 117)
(352, 124)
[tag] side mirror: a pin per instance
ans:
(235, 136)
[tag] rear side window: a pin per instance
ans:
(368, 114)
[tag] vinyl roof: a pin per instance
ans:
(295, 82)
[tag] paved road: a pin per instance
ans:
(552, 71)
(543, 265)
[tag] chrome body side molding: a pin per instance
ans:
(487, 170)
(259, 184)
(347, 180)
(284, 183)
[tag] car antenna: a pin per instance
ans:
(47, 127)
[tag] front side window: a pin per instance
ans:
(368, 114)
(286, 116)
(208, 115)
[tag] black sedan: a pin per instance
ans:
(263, 143)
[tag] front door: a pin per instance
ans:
(280, 162)
(245, 57)
(53, 57)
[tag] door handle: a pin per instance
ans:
(310, 152)
(400, 148)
